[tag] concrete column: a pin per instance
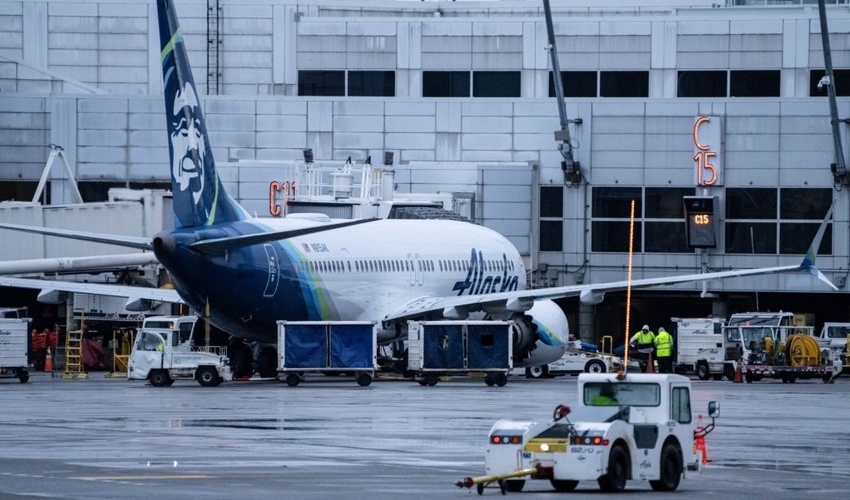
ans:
(586, 322)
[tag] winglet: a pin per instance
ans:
(808, 263)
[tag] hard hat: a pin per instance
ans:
(645, 327)
(661, 329)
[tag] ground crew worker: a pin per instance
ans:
(644, 341)
(607, 396)
(664, 350)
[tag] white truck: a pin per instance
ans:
(699, 348)
(164, 352)
(836, 335)
(13, 348)
(629, 427)
(578, 359)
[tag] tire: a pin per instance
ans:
(749, 377)
(240, 360)
(159, 378)
(618, 471)
(671, 469)
(563, 486)
(729, 372)
(293, 379)
(23, 376)
(431, 380)
(501, 379)
(489, 380)
(703, 373)
(514, 485)
(595, 366)
(207, 376)
(364, 379)
(537, 371)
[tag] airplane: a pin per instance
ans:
(248, 273)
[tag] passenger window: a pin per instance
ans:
(681, 405)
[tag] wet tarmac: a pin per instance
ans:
(327, 438)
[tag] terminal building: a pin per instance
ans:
(702, 129)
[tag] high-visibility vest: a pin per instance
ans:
(663, 344)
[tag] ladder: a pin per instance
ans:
(74, 355)
(213, 46)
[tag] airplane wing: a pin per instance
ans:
(518, 301)
(87, 264)
(127, 291)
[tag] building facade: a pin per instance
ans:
(720, 108)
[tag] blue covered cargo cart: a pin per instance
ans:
(437, 348)
(329, 347)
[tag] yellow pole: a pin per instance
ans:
(629, 285)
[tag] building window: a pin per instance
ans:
(664, 224)
(24, 191)
(611, 208)
(371, 83)
(806, 207)
(842, 82)
(624, 84)
(575, 83)
(93, 191)
(445, 84)
(762, 83)
(771, 221)
(496, 84)
(326, 83)
(702, 84)
(551, 218)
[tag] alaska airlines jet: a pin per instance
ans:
(253, 272)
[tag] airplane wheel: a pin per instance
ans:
(671, 469)
(293, 379)
(618, 471)
(563, 486)
(207, 376)
(364, 379)
(160, 378)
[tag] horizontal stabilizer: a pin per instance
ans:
(139, 242)
(221, 245)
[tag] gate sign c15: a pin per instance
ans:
(707, 151)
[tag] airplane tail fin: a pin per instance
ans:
(199, 197)
(808, 263)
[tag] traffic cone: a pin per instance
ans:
(699, 443)
(739, 378)
(48, 362)
(649, 365)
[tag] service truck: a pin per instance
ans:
(164, 351)
(581, 357)
(835, 336)
(698, 348)
(771, 345)
(13, 348)
(623, 427)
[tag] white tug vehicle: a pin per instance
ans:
(624, 427)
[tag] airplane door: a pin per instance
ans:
(416, 275)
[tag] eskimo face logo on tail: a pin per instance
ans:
(188, 147)
(476, 283)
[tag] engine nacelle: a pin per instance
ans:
(540, 334)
